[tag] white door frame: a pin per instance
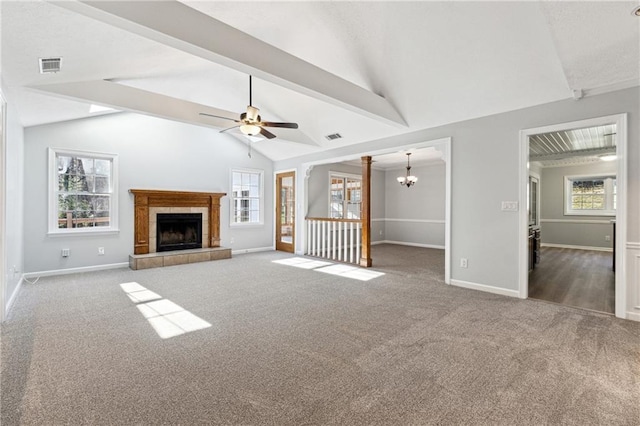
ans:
(620, 120)
(302, 190)
(3, 222)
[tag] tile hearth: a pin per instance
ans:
(178, 257)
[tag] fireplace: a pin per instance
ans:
(178, 231)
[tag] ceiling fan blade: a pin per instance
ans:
(284, 125)
(219, 116)
(267, 134)
(229, 128)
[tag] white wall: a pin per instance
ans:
(556, 227)
(485, 172)
(13, 168)
(416, 215)
(153, 154)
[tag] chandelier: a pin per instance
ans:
(409, 179)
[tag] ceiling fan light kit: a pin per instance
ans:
(408, 180)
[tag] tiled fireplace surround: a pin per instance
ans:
(148, 203)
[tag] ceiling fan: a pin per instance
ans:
(250, 122)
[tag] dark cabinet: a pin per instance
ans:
(534, 247)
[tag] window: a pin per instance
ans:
(247, 197)
(345, 195)
(83, 192)
(590, 195)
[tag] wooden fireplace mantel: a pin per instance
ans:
(144, 198)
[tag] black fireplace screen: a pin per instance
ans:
(178, 231)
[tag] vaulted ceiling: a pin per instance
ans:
(366, 70)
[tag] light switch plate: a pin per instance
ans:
(509, 206)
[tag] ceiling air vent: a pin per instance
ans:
(333, 136)
(49, 65)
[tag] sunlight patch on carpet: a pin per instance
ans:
(353, 272)
(166, 318)
(300, 262)
(347, 271)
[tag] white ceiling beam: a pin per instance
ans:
(126, 98)
(175, 24)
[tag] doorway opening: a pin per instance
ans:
(573, 182)
(314, 193)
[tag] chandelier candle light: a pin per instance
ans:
(409, 179)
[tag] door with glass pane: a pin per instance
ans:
(285, 211)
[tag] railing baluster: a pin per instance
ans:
(351, 242)
(309, 237)
(315, 238)
(334, 239)
(358, 227)
(339, 240)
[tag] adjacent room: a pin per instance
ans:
(572, 216)
(317, 212)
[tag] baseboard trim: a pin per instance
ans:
(578, 221)
(633, 316)
(485, 288)
(13, 297)
(403, 243)
(252, 250)
(610, 250)
(75, 270)
(392, 219)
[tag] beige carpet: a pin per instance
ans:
(294, 346)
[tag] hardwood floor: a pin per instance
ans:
(580, 278)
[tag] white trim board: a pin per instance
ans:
(13, 297)
(68, 271)
(485, 288)
(438, 221)
(252, 250)
(404, 243)
(610, 250)
(633, 316)
(578, 221)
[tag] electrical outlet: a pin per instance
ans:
(464, 262)
(231, 240)
(607, 237)
(100, 251)
(65, 252)
(381, 232)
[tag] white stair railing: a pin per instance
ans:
(335, 239)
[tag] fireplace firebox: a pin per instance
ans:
(178, 231)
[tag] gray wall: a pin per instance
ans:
(416, 215)
(556, 228)
(153, 154)
(485, 172)
(14, 257)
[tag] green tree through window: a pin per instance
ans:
(84, 191)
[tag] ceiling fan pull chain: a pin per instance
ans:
(249, 153)
(250, 103)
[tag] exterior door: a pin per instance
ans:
(285, 211)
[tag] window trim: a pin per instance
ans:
(232, 199)
(53, 229)
(608, 177)
(344, 201)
